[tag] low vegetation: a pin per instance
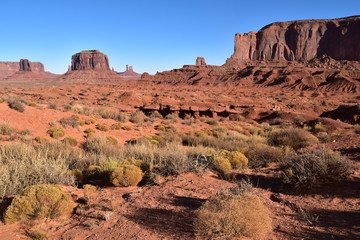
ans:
(230, 215)
(39, 201)
(308, 169)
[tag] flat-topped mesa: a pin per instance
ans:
(301, 41)
(200, 61)
(90, 60)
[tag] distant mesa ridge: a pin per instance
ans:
(129, 72)
(301, 41)
(22, 65)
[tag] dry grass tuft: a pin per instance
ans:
(228, 216)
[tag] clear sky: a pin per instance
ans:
(151, 35)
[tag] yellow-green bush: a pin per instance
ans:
(56, 132)
(144, 166)
(294, 137)
(126, 175)
(41, 139)
(81, 122)
(70, 141)
(39, 201)
(127, 127)
(1, 100)
(116, 126)
(232, 216)
(32, 104)
(102, 127)
(89, 121)
(89, 191)
(222, 164)
(238, 160)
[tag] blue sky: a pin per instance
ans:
(150, 35)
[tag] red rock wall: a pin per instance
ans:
(301, 41)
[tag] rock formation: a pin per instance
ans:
(24, 65)
(16, 66)
(200, 61)
(90, 66)
(301, 41)
(129, 73)
(90, 60)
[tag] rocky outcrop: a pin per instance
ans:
(200, 61)
(90, 60)
(301, 41)
(129, 73)
(24, 65)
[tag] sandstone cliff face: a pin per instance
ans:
(90, 60)
(301, 41)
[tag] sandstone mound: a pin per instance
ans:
(90, 66)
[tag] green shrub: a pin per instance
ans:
(56, 132)
(232, 216)
(16, 105)
(126, 175)
(315, 167)
(102, 127)
(37, 202)
(294, 137)
(70, 141)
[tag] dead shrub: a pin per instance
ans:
(315, 167)
(137, 117)
(102, 127)
(72, 121)
(5, 128)
(228, 216)
(16, 104)
(37, 202)
(23, 165)
(294, 137)
(106, 113)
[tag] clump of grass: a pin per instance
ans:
(56, 132)
(296, 138)
(102, 127)
(106, 113)
(77, 108)
(116, 126)
(112, 140)
(127, 127)
(16, 104)
(5, 128)
(23, 165)
(229, 216)
(126, 175)
(89, 121)
(89, 191)
(122, 117)
(72, 121)
(137, 117)
(213, 122)
(315, 167)
(71, 141)
(90, 132)
(37, 202)
(41, 139)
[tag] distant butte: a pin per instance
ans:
(90, 66)
(129, 73)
